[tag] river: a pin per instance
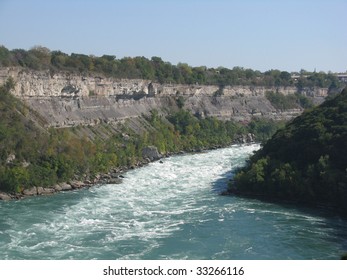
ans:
(169, 210)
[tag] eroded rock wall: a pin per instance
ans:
(66, 99)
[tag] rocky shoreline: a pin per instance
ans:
(115, 175)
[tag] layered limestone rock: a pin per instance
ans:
(30, 83)
(67, 99)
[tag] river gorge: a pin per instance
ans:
(168, 210)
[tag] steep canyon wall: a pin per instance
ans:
(67, 99)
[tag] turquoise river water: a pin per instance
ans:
(171, 210)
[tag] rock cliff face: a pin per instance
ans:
(66, 99)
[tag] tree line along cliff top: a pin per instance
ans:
(155, 69)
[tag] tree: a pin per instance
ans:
(5, 57)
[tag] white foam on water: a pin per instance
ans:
(164, 210)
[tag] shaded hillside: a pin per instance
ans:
(305, 162)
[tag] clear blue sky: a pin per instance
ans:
(266, 34)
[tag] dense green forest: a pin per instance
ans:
(41, 58)
(305, 162)
(31, 155)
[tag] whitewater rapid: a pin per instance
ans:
(169, 210)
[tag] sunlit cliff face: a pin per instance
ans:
(65, 99)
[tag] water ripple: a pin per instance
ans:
(167, 211)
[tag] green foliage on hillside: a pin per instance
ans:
(304, 162)
(290, 101)
(31, 155)
(263, 129)
(41, 58)
(197, 133)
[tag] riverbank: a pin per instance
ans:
(115, 175)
